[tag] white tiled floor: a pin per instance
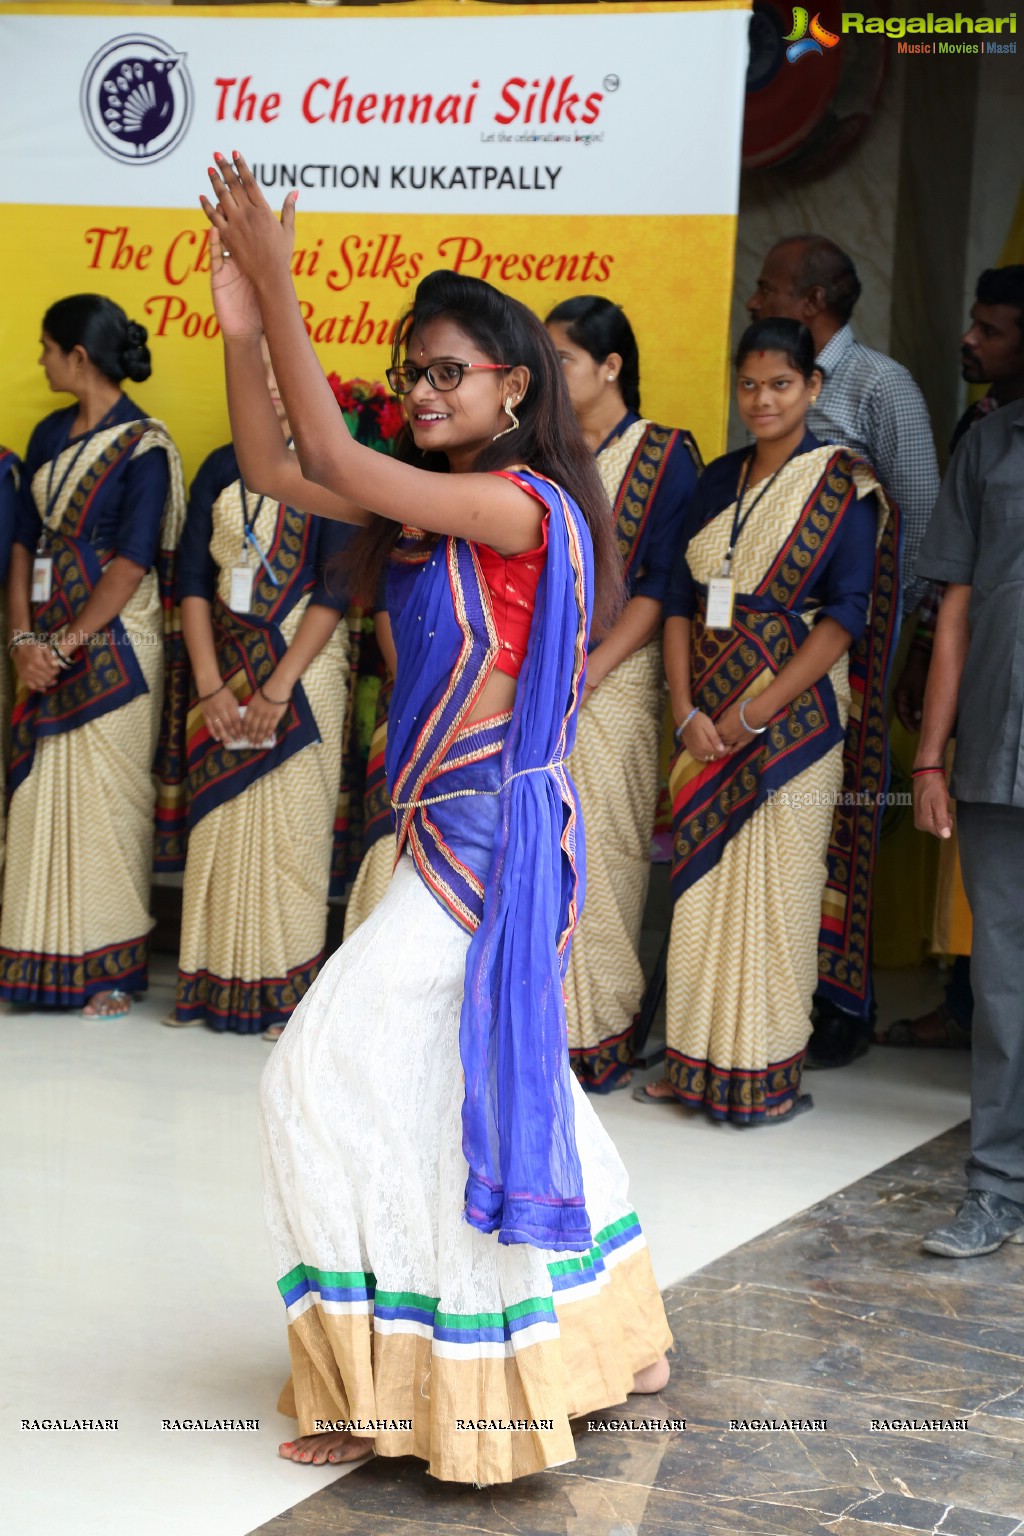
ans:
(138, 1282)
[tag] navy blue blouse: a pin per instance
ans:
(10, 466)
(650, 574)
(130, 504)
(842, 585)
(196, 567)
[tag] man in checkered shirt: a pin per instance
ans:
(871, 404)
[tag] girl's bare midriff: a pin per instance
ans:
(496, 696)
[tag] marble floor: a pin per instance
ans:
(833, 1322)
(138, 1286)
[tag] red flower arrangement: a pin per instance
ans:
(372, 414)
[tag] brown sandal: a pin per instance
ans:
(953, 1036)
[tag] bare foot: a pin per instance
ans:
(653, 1377)
(318, 1450)
(661, 1089)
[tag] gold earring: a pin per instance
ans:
(510, 413)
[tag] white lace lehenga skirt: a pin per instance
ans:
(472, 1355)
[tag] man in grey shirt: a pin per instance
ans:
(975, 543)
(871, 404)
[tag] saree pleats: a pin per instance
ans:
(80, 843)
(615, 766)
(743, 955)
(254, 913)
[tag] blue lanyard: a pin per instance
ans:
(52, 496)
(741, 519)
(249, 536)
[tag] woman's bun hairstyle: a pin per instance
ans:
(135, 357)
(113, 343)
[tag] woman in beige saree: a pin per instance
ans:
(649, 473)
(90, 608)
(270, 663)
(777, 644)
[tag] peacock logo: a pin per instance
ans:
(137, 99)
(800, 43)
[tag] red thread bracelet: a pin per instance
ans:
(918, 773)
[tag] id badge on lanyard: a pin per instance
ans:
(243, 578)
(722, 588)
(243, 575)
(42, 578)
(721, 602)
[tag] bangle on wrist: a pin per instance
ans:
(277, 703)
(917, 773)
(754, 730)
(681, 727)
(55, 651)
(19, 637)
(204, 698)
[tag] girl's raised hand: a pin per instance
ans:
(234, 297)
(252, 237)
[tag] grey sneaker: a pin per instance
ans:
(982, 1224)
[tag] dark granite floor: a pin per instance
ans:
(835, 1315)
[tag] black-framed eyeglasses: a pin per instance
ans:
(443, 375)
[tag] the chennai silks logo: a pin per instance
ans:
(137, 98)
(800, 43)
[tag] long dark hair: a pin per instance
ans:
(549, 440)
(600, 328)
(113, 343)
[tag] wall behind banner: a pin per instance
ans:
(356, 272)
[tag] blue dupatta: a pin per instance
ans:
(518, 1121)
